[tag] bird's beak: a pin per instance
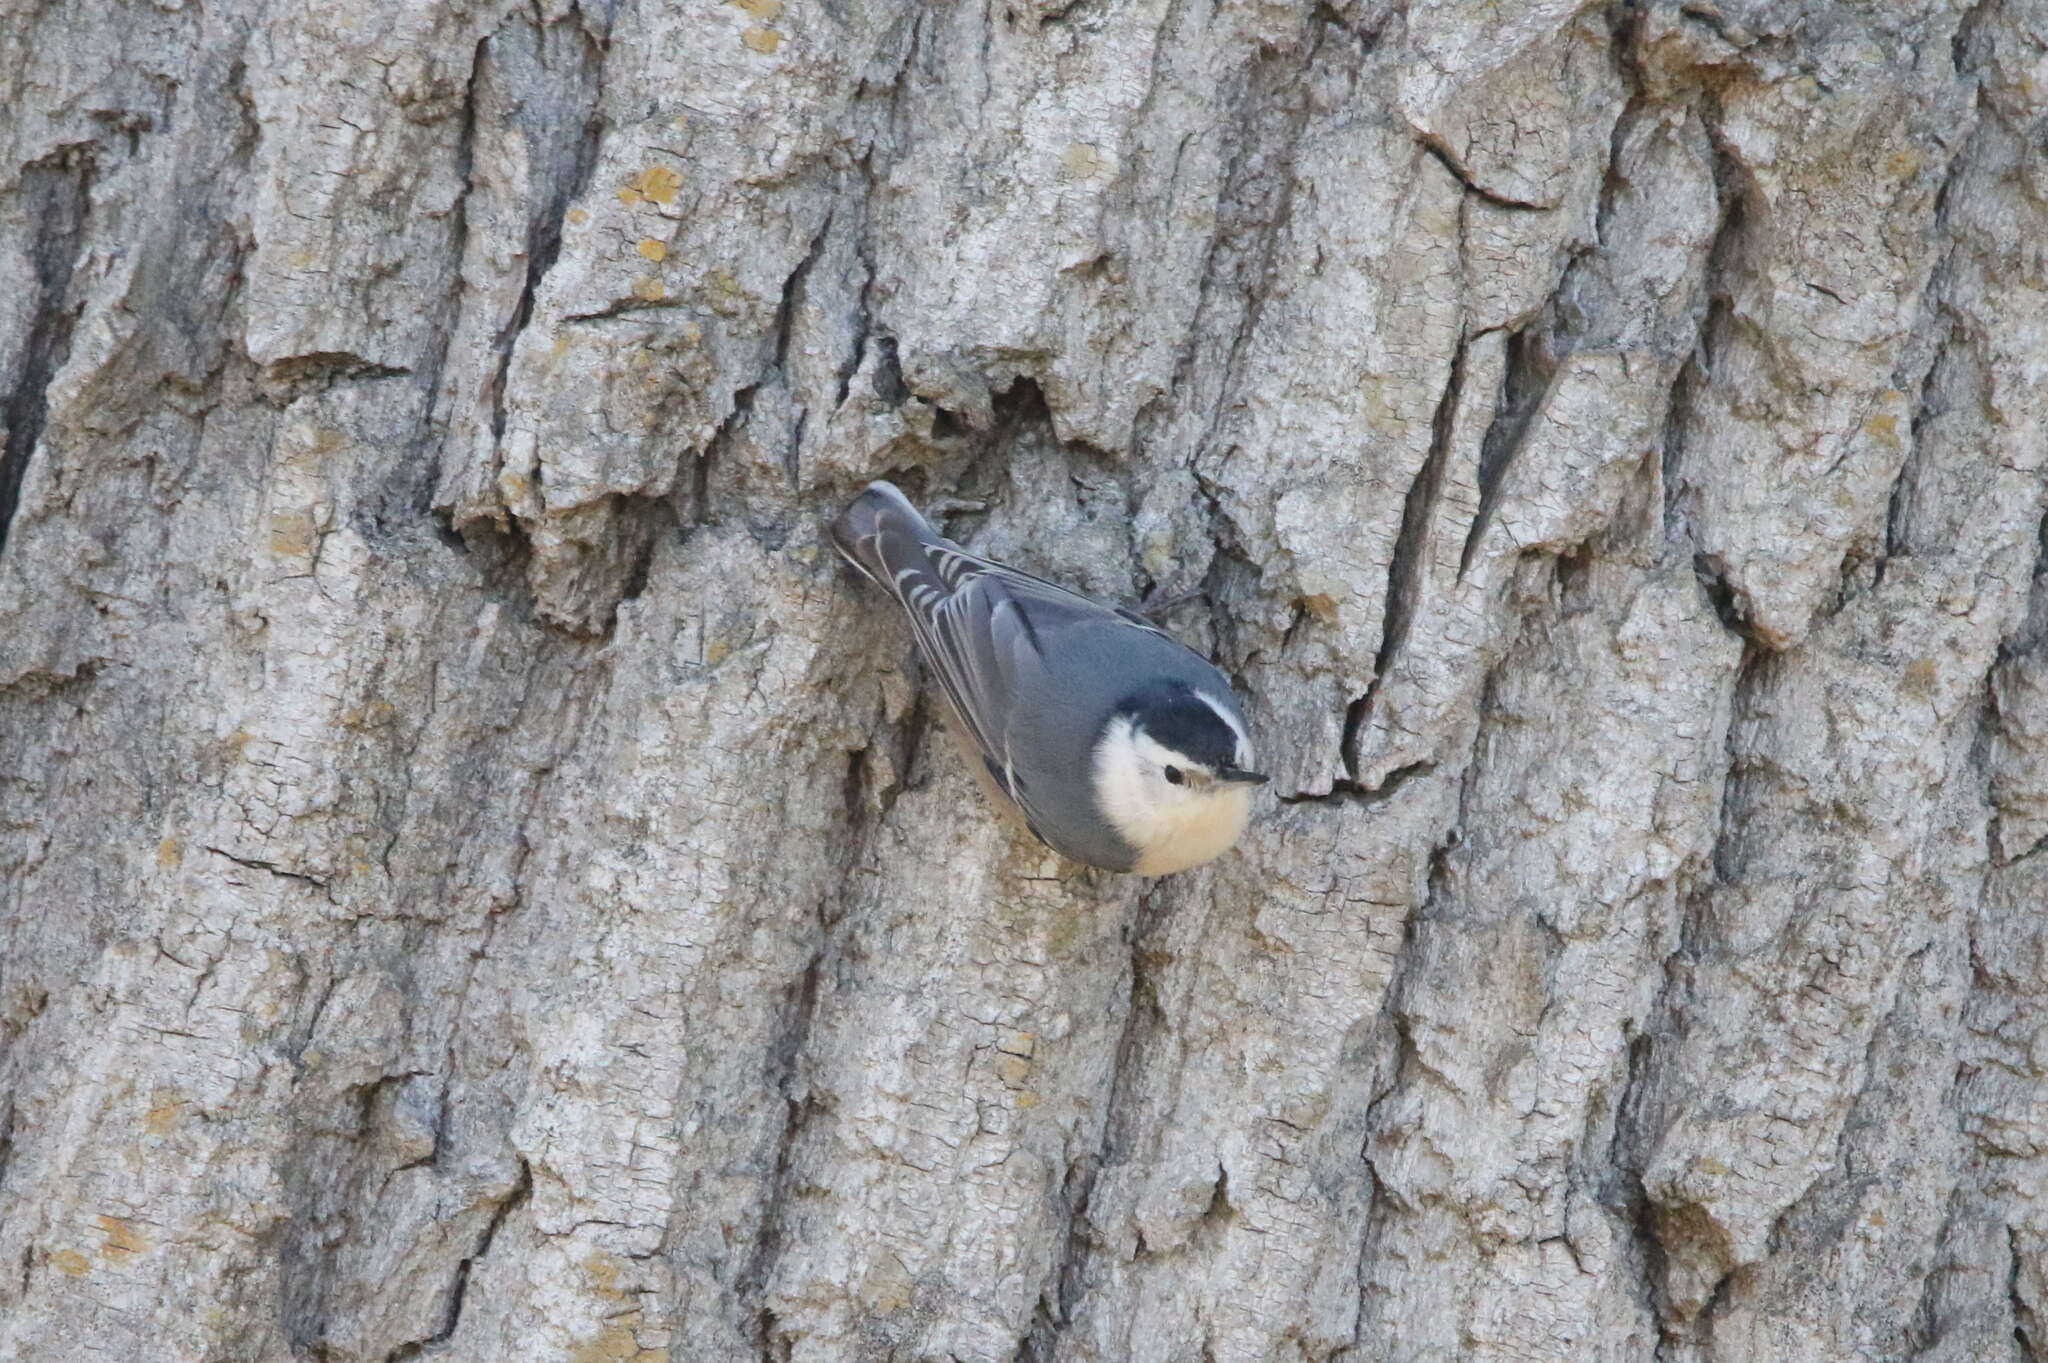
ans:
(1250, 778)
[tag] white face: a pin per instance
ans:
(1176, 811)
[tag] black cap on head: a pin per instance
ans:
(1173, 715)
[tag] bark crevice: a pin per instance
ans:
(1409, 561)
(56, 196)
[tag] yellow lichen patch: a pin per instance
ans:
(629, 196)
(1321, 607)
(72, 1262)
(300, 260)
(577, 217)
(1064, 929)
(1920, 678)
(1083, 161)
(1014, 1055)
(604, 1276)
(886, 1286)
(652, 250)
(377, 714)
(1884, 425)
(560, 346)
(762, 40)
(292, 534)
(726, 296)
(122, 1239)
(767, 11)
(656, 184)
(616, 1344)
(649, 290)
(167, 853)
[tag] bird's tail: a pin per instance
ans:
(883, 535)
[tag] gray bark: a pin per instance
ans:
(479, 884)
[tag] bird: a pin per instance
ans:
(1117, 745)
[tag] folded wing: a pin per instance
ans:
(980, 625)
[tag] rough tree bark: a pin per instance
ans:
(479, 884)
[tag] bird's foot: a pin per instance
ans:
(1158, 603)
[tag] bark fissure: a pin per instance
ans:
(458, 1288)
(56, 193)
(1717, 320)
(1347, 790)
(1407, 564)
(1144, 1020)
(1255, 207)
(272, 868)
(802, 1015)
(1534, 353)
(1436, 146)
(2022, 1313)
(567, 178)
(866, 811)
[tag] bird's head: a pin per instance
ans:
(1173, 774)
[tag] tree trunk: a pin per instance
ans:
(479, 883)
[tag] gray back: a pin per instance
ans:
(1033, 671)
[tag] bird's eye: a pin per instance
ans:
(1175, 776)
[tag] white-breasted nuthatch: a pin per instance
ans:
(1117, 745)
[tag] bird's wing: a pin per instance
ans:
(961, 570)
(982, 626)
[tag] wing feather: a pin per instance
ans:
(981, 625)
(958, 568)
(982, 637)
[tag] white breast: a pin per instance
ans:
(1204, 834)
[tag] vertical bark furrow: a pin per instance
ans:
(53, 195)
(1404, 566)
